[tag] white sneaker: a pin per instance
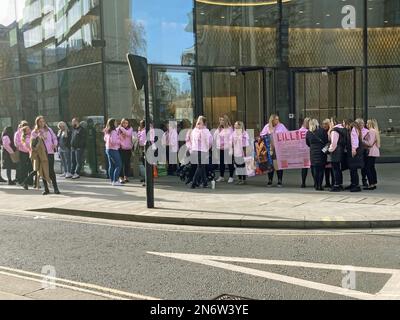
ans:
(76, 176)
(117, 184)
(63, 175)
(231, 180)
(68, 176)
(221, 179)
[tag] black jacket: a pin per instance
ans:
(78, 138)
(317, 140)
(64, 142)
(339, 154)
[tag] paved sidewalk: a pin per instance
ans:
(253, 205)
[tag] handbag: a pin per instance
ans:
(15, 157)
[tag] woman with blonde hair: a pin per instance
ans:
(42, 131)
(238, 143)
(373, 141)
(221, 138)
(64, 148)
(274, 126)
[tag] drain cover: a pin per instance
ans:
(230, 297)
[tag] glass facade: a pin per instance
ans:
(245, 58)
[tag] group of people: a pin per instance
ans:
(30, 152)
(334, 148)
(337, 147)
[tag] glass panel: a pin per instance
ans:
(254, 103)
(174, 96)
(235, 33)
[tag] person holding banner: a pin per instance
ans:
(317, 139)
(274, 126)
(304, 172)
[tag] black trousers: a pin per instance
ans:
(279, 174)
(200, 176)
(318, 174)
(172, 167)
(223, 164)
(52, 174)
(371, 171)
(355, 178)
(328, 176)
(304, 174)
(126, 156)
(24, 167)
(337, 174)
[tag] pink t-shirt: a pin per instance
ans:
(49, 138)
(112, 140)
(126, 138)
(7, 144)
(201, 140)
(170, 138)
(25, 146)
(372, 142)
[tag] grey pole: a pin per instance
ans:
(149, 166)
(365, 61)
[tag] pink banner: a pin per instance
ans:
(291, 150)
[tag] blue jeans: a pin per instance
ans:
(77, 160)
(114, 164)
(65, 156)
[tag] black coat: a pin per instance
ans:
(338, 156)
(78, 138)
(317, 140)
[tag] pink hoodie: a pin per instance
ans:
(49, 138)
(125, 136)
(201, 140)
(372, 142)
(112, 140)
(221, 137)
(280, 128)
(239, 140)
(170, 138)
(7, 144)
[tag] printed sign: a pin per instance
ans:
(291, 150)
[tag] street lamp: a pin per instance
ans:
(138, 66)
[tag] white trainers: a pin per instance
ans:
(68, 176)
(117, 184)
(63, 175)
(231, 180)
(221, 179)
(76, 176)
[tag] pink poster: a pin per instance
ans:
(291, 150)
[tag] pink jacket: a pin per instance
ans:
(112, 140)
(221, 138)
(17, 140)
(170, 138)
(126, 136)
(239, 140)
(25, 146)
(355, 140)
(142, 137)
(7, 144)
(372, 142)
(334, 139)
(49, 138)
(201, 140)
(280, 128)
(188, 141)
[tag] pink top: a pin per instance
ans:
(142, 137)
(25, 146)
(7, 144)
(170, 138)
(355, 141)
(201, 140)
(49, 138)
(18, 141)
(364, 132)
(302, 129)
(112, 140)
(188, 141)
(222, 136)
(334, 139)
(125, 136)
(280, 128)
(238, 140)
(372, 142)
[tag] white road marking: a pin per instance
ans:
(74, 285)
(193, 229)
(391, 290)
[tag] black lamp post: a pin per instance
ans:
(138, 66)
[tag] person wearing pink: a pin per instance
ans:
(23, 164)
(113, 144)
(42, 131)
(373, 142)
(221, 139)
(274, 126)
(141, 136)
(125, 132)
(201, 142)
(9, 149)
(170, 142)
(304, 172)
(238, 142)
(338, 137)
